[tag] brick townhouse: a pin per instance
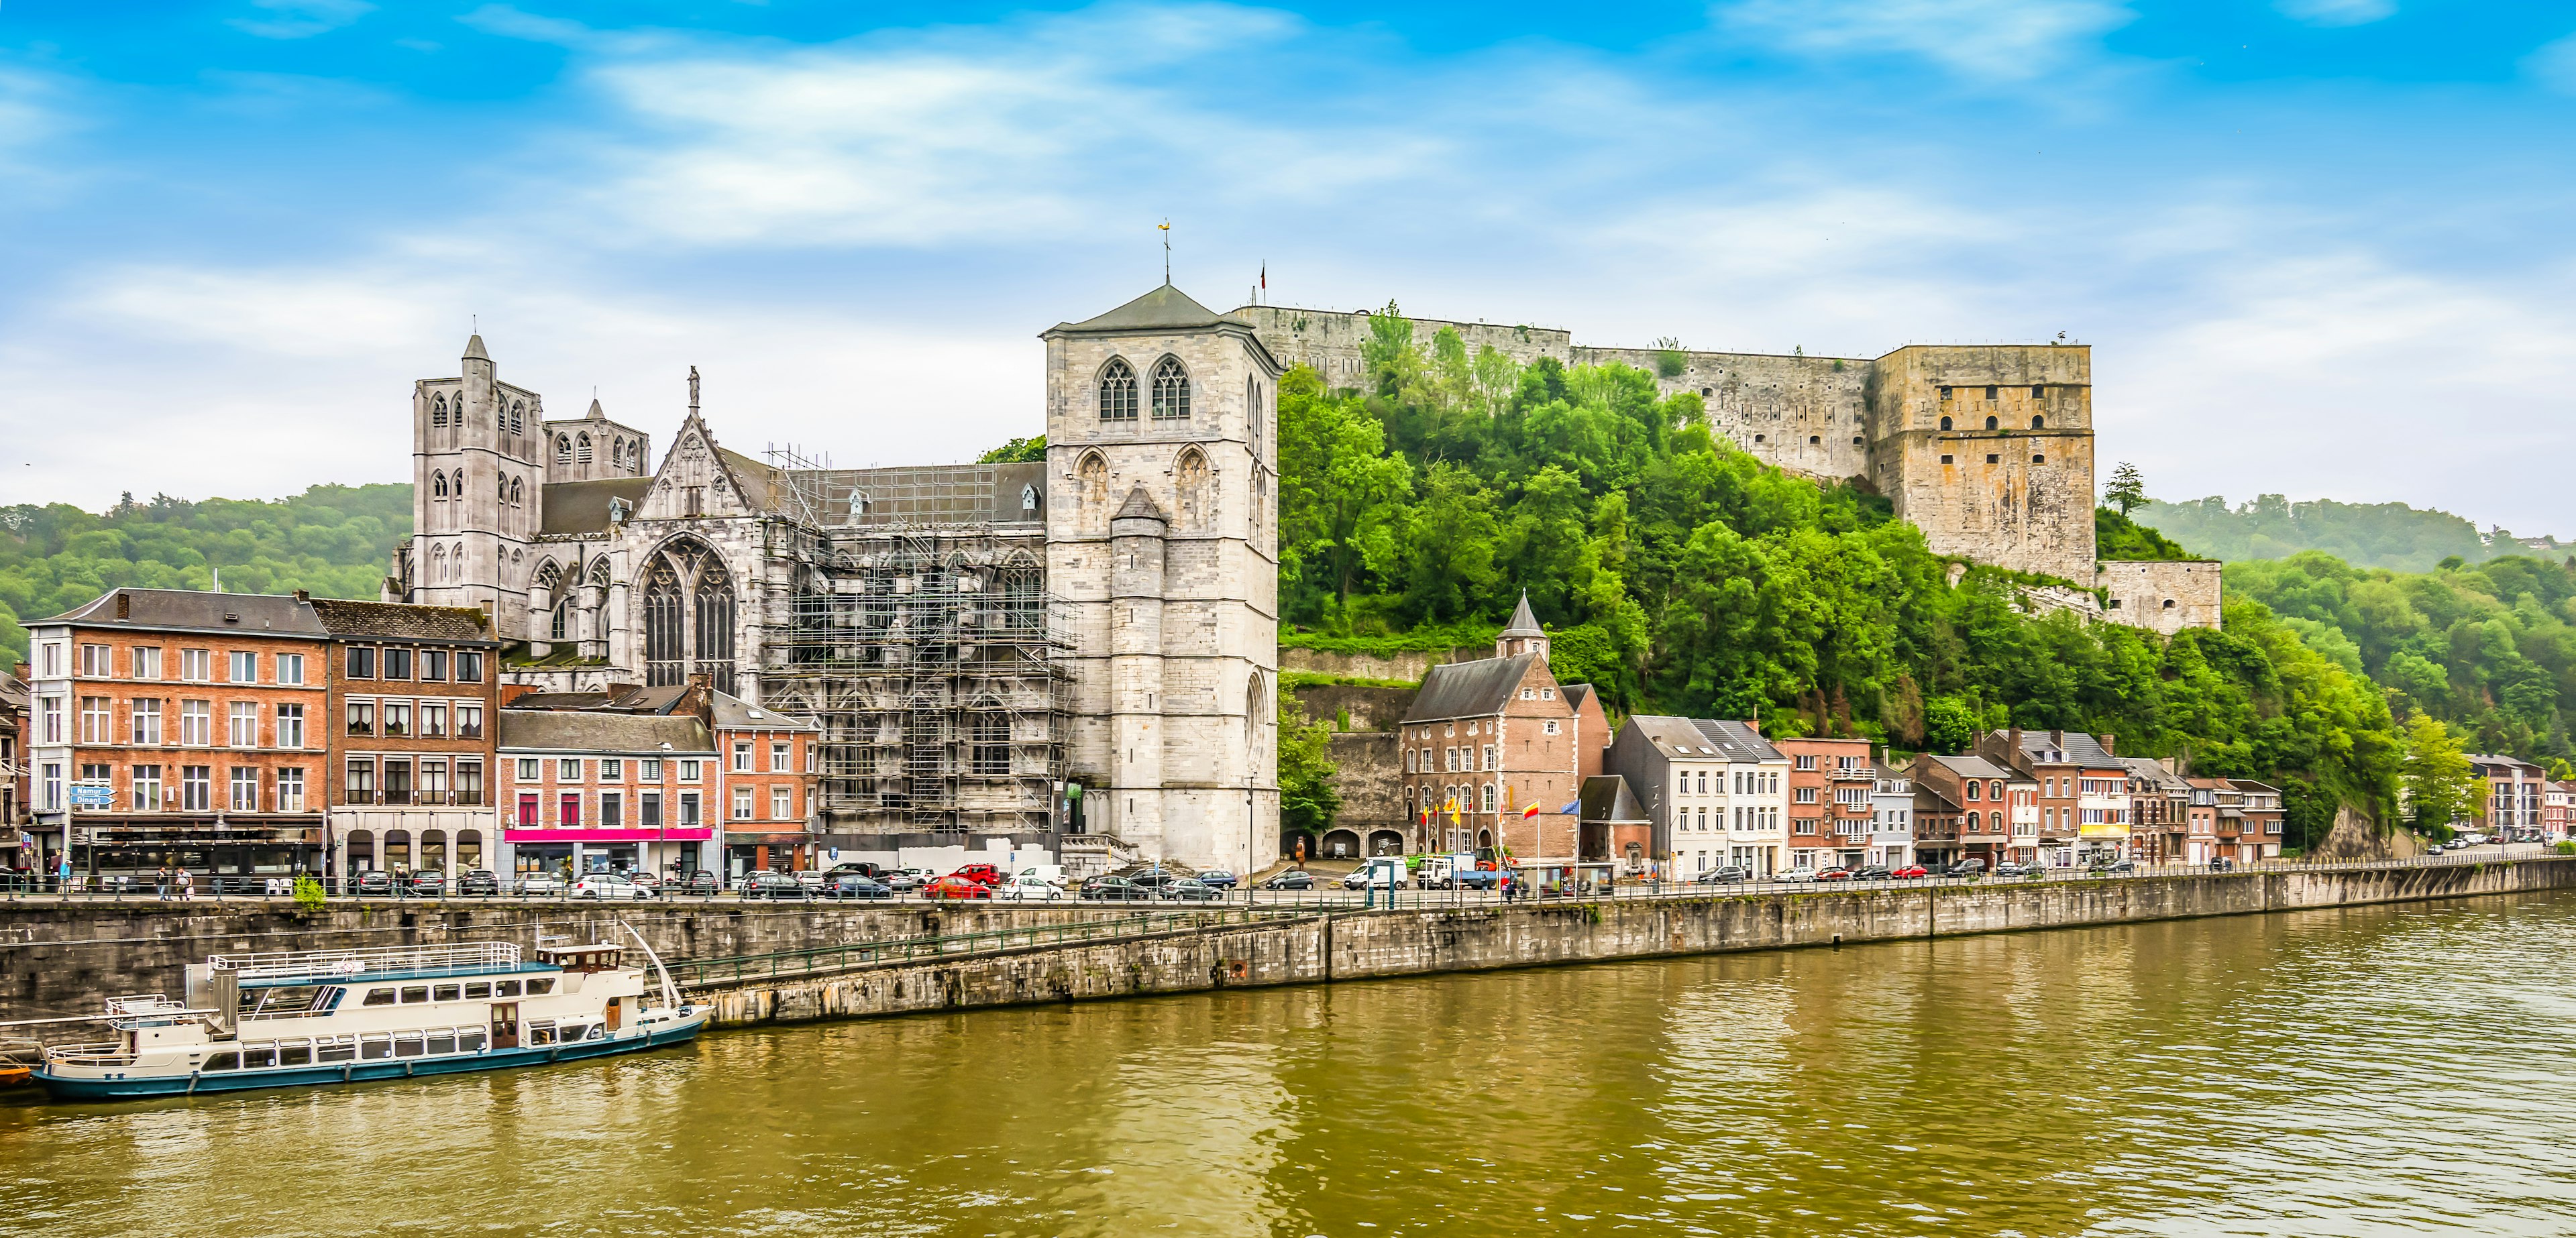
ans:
(181, 727)
(1831, 814)
(1487, 739)
(1968, 808)
(17, 829)
(2083, 794)
(412, 701)
(2511, 808)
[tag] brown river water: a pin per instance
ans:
(2391, 1070)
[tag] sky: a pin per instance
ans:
(2319, 247)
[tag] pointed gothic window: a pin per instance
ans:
(617, 453)
(563, 450)
(1190, 478)
(665, 627)
(1171, 390)
(516, 410)
(715, 624)
(516, 495)
(1252, 410)
(438, 485)
(438, 410)
(1092, 477)
(581, 450)
(1117, 391)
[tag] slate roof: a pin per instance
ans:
(582, 506)
(2080, 748)
(1524, 622)
(2153, 773)
(1165, 308)
(195, 610)
(1968, 766)
(547, 730)
(1139, 506)
(1939, 802)
(1674, 737)
(733, 712)
(1606, 798)
(1468, 689)
(401, 621)
(1738, 740)
(1575, 695)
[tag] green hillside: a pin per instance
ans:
(2369, 535)
(1684, 576)
(332, 540)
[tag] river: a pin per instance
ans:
(2379, 1070)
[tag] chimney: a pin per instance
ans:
(2111, 744)
(2012, 747)
(303, 595)
(2057, 740)
(124, 605)
(513, 691)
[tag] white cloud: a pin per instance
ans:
(301, 19)
(2336, 12)
(2553, 65)
(1998, 40)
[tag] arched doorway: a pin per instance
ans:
(1484, 840)
(1385, 842)
(433, 849)
(1342, 844)
(360, 856)
(397, 850)
(469, 850)
(1290, 840)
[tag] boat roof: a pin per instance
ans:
(455, 958)
(387, 977)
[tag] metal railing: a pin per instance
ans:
(342, 964)
(701, 973)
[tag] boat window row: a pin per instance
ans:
(371, 1047)
(289, 1001)
(463, 991)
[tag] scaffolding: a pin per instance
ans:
(919, 631)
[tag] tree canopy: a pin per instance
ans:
(2389, 535)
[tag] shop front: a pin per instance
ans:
(238, 847)
(577, 853)
(781, 852)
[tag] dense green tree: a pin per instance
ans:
(2368, 535)
(1308, 800)
(2441, 786)
(1030, 450)
(2125, 490)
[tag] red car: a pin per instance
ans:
(981, 874)
(1911, 870)
(956, 886)
(1834, 874)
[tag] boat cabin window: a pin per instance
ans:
(407, 1044)
(415, 993)
(446, 993)
(598, 1031)
(539, 988)
(223, 1061)
(541, 1031)
(505, 988)
(478, 990)
(443, 1040)
(295, 1053)
(379, 997)
(375, 1047)
(470, 1039)
(284, 1000)
(258, 1057)
(335, 1049)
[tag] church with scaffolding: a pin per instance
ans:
(1077, 655)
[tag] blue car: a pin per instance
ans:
(1218, 878)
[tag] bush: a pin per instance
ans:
(308, 894)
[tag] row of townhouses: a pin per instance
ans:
(273, 734)
(1496, 755)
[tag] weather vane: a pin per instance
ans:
(1167, 250)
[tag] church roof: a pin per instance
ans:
(1523, 622)
(582, 506)
(1139, 506)
(596, 412)
(1165, 308)
(474, 349)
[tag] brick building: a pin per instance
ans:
(411, 702)
(1831, 813)
(2083, 794)
(17, 829)
(1487, 739)
(2263, 815)
(769, 785)
(1967, 807)
(2159, 810)
(2511, 809)
(199, 719)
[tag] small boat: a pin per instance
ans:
(18, 1062)
(342, 1016)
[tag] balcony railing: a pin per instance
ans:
(415, 799)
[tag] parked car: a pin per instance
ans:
(1910, 872)
(1156, 878)
(1218, 878)
(373, 884)
(609, 885)
(541, 883)
(479, 881)
(1724, 875)
(854, 885)
(774, 886)
(1190, 890)
(1969, 867)
(427, 883)
(981, 874)
(702, 881)
(2435, 849)
(861, 867)
(954, 886)
(642, 878)
(903, 880)
(1872, 872)
(1029, 888)
(1836, 873)
(810, 878)
(2115, 867)
(1115, 890)
(2011, 868)
(1796, 874)
(1292, 879)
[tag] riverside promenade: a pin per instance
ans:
(771, 963)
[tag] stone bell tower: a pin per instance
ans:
(1162, 540)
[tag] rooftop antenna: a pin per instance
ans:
(1167, 252)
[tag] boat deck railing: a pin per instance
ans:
(321, 965)
(697, 974)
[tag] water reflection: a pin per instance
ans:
(2353, 1072)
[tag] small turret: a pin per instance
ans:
(1523, 634)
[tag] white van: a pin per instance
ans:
(1440, 872)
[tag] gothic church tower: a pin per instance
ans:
(478, 491)
(1162, 540)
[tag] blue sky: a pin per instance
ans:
(2321, 247)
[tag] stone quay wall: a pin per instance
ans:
(62, 960)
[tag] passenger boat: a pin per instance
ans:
(339, 1016)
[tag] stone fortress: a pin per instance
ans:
(973, 638)
(1986, 448)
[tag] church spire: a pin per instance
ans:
(1522, 634)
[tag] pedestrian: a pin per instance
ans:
(63, 873)
(161, 883)
(187, 886)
